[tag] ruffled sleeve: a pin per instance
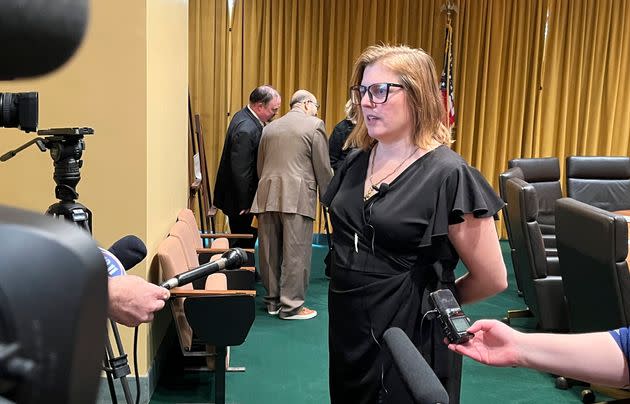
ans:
(462, 192)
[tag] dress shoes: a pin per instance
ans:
(303, 314)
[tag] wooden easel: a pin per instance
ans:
(207, 210)
(199, 187)
(195, 183)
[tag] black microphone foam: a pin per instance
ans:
(38, 36)
(129, 250)
(418, 376)
(235, 257)
(383, 188)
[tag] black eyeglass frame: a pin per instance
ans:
(360, 90)
(312, 102)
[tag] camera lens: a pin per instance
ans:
(19, 110)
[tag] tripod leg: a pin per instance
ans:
(110, 381)
(121, 364)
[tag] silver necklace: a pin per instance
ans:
(374, 186)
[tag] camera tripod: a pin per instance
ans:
(66, 147)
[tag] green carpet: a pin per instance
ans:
(287, 361)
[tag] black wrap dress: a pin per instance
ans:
(389, 253)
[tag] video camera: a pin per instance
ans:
(19, 110)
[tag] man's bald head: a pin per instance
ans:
(306, 100)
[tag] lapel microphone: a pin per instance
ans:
(381, 189)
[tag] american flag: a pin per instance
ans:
(446, 80)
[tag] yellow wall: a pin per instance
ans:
(167, 125)
(129, 82)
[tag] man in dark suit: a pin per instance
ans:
(292, 163)
(237, 177)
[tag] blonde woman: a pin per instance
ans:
(405, 209)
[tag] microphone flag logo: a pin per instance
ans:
(114, 266)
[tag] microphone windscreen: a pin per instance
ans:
(129, 250)
(241, 257)
(416, 373)
(38, 36)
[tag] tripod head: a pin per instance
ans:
(66, 147)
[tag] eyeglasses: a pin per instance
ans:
(377, 92)
(314, 103)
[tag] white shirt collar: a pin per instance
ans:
(255, 116)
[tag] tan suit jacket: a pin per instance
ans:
(292, 162)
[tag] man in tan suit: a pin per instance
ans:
(292, 162)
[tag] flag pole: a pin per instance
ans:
(446, 84)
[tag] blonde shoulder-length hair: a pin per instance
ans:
(418, 76)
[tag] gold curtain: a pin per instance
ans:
(209, 70)
(293, 44)
(517, 92)
(498, 49)
(584, 101)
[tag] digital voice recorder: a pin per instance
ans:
(454, 322)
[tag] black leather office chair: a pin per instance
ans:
(514, 172)
(544, 175)
(539, 274)
(592, 247)
(603, 182)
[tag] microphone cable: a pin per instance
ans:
(135, 363)
(430, 312)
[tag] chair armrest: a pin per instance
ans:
(219, 250)
(549, 240)
(250, 269)
(553, 266)
(226, 235)
(180, 292)
(551, 252)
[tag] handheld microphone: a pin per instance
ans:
(421, 381)
(130, 250)
(123, 255)
(231, 259)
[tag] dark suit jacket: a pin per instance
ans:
(237, 178)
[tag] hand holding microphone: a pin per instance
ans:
(132, 300)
